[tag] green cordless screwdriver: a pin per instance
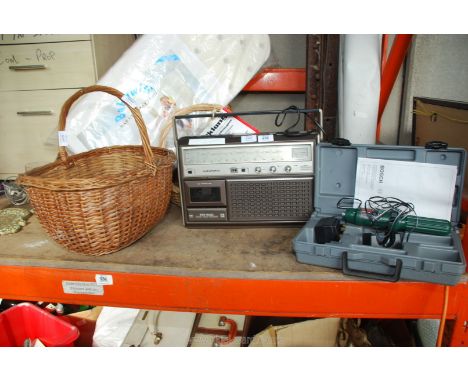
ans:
(387, 220)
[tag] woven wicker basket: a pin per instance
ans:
(101, 201)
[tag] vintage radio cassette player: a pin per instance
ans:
(246, 180)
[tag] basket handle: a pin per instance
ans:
(149, 157)
(215, 108)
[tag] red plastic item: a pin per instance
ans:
(392, 67)
(290, 80)
(26, 321)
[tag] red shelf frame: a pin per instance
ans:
(284, 80)
(365, 299)
(295, 298)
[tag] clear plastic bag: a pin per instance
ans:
(113, 325)
(160, 74)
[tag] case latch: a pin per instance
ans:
(436, 145)
(340, 142)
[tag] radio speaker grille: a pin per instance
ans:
(270, 199)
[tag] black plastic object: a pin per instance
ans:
(386, 240)
(371, 275)
(6, 304)
(340, 142)
(296, 133)
(327, 230)
(367, 238)
(436, 145)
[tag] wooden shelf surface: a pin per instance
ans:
(249, 271)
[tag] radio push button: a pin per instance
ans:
(258, 169)
(287, 168)
(273, 169)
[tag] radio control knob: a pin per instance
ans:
(272, 169)
(258, 169)
(287, 168)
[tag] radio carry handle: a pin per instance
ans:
(289, 110)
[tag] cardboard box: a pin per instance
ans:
(85, 321)
(441, 120)
(320, 332)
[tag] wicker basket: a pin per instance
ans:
(101, 201)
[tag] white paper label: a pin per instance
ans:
(430, 187)
(82, 287)
(63, 138)
(126, 98)
(104, 280)
(207, 141)
(266, 138)
(248, 138)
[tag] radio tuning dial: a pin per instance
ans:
(272, 169)
(258, 169)
(287, 168)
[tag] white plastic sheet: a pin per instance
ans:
(163, 73)
(113, 325)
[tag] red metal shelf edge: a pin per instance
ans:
(285, 80)
(296, 298)
(247, 296)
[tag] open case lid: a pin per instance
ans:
(335, 170)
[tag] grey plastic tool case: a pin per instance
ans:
(434, 259)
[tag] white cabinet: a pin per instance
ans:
(37, 74)
(8, 39)
(47, 66)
